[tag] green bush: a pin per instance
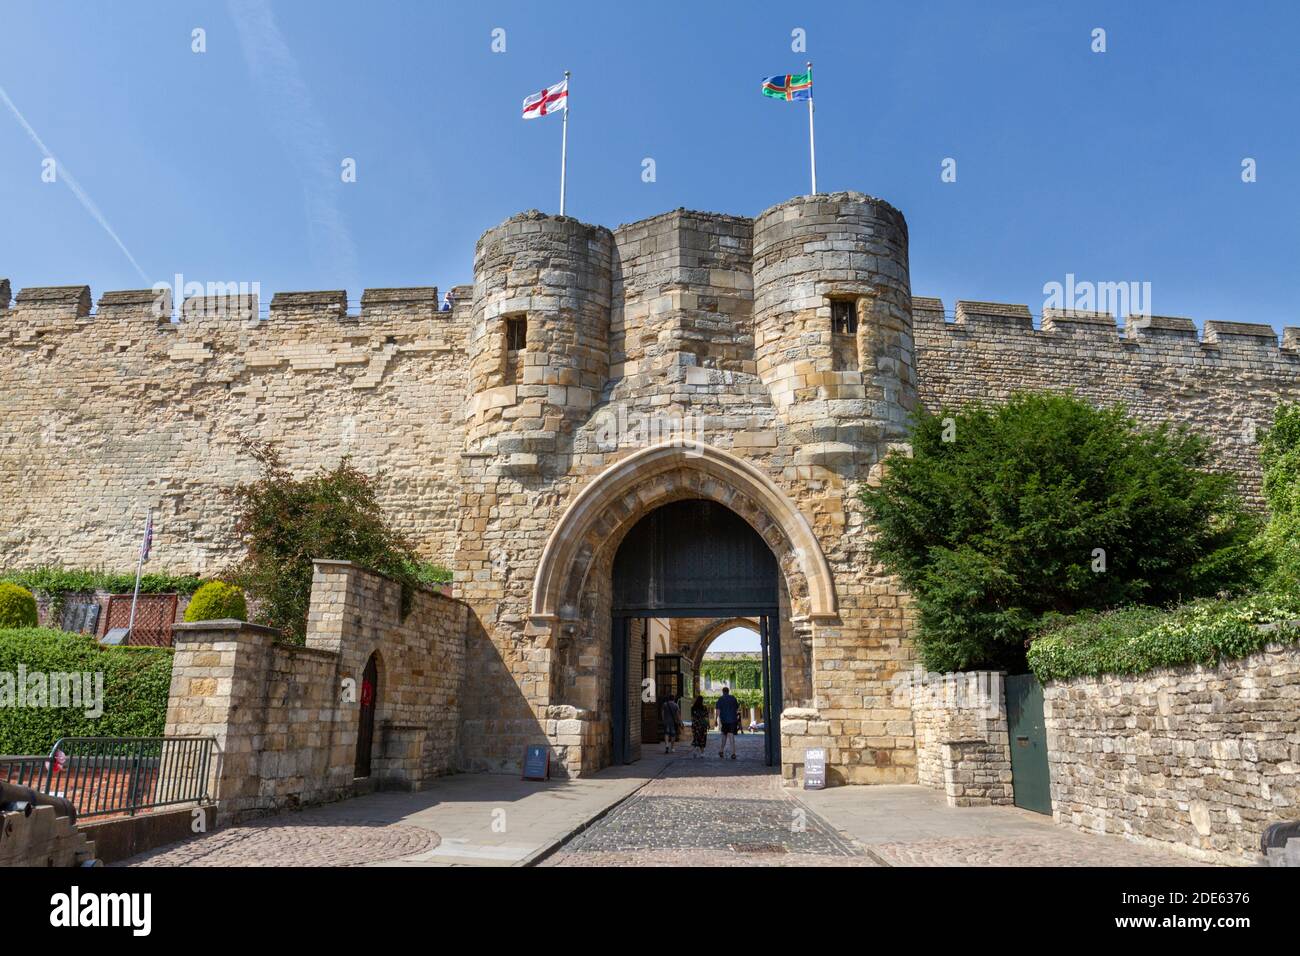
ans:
(1049, 505)
(284, 524)
(17, 606)
(1279, 453)
(136, 681)
(217, 601)
(749, 698)
(1135, 640)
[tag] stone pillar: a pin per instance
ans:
(217, 690)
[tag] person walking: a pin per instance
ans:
(699, 725)
(672, 718)
(729, 719)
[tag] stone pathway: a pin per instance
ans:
(462, 820)
(661, 811)
(307, 836)
(710, 812)
(914, 826)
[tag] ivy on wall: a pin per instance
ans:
(738, 674)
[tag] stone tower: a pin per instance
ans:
(539, 343)
(833, 325)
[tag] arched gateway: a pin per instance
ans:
(674, 531)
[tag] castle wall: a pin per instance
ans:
(1224, 385)
(788, 346)
(112, 412)
(1199, 759)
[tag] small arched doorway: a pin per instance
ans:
(369, 695)
(694, 558)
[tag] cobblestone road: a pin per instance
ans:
(708, 811)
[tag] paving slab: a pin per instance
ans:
(901, 825)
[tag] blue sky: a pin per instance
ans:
(225, 165)
(736, 639)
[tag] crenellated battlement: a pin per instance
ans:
(1013, 323)
(67, 309)
(794, 330)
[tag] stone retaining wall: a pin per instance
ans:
(285, 718)
(1200, 759)
(962, 746)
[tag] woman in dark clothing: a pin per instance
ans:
(699, 725)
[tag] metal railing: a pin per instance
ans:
(117, 775)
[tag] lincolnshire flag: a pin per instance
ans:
(550, 100)
(791, 86)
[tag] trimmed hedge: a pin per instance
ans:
(55, 580)
(136, 683)
(1138, 639)
(750, 698)
(17, 606)
(217, 601)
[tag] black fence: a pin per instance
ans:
(103, 776)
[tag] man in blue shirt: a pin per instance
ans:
(729, 719)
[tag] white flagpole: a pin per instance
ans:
(812, 143)
(564, 141)
(139, 567)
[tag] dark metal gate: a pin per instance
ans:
(366, 726)
(1029, 772)
(695, 559)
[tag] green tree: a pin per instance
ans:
(1279, 453)
(285, 523)
(1046, 505)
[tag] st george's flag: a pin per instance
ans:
(550, 100)
(791, 86)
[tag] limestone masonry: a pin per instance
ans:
(586, 378)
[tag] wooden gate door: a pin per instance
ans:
(366, 727)
(1029, 771)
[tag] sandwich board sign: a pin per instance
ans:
(814, 768)
(537, 762)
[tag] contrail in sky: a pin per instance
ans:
(64, 175)
(292, 116)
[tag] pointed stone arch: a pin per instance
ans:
(700, 646)
(625, 491)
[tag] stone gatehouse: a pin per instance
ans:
(586, 380)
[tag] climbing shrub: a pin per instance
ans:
(1279, 453)
(17, 606)
(1048, 505)
(1134, 640)
(285, 523)
(217, 601)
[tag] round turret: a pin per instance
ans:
(539, 346)
(833, 324)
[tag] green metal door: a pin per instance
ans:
(1029, 774)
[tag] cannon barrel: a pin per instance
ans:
(13, 794)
